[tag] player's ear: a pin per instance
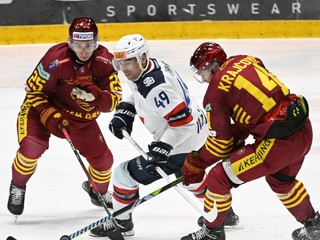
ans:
(144, 60)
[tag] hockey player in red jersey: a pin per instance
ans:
(71, 85)
(243, 98)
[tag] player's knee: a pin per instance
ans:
(122, 178)
(33, 147)
(222, 178)
(234, 180)
(198, 189)
(280, 183)
(102, 162)
(126, 189)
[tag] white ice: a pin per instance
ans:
(55, 202)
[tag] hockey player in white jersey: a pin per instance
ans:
(162, 101)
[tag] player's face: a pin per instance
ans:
(83, 50)
(130, 68)
(204, 74)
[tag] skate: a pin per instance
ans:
(206, 233)
(107, 197)
(231, 221)
(16, 200)
(310, 230)
(107, 229)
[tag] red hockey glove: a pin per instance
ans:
(190, 171)
(86, 90)
(54, 121)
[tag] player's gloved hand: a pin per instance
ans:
(157, 156)
(191, 172)
(122, 119)
(86, 90)
(54, 121)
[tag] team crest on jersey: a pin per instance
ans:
(148, 81)
(240, 151)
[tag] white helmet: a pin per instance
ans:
(131, 46)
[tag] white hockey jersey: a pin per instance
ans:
(167, 110)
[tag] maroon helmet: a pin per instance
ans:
(206, 53)
(83, 29)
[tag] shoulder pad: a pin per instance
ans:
(151, 79)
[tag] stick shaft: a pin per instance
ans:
(210, 216)
(67, 136)
(125, 209)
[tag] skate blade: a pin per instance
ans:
(15, 218)
(128, 233)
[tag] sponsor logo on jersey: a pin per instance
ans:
(252, 160)
(54, 64)
(43, 74)
(103, 59)
(82, 36)
(148, 81)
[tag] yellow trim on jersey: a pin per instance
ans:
(240, 116)
(294, 198)
(100, 176)
(24, 165)
(254, 159)
(223, 202)
(301, 198)
(23, 121)
(218, 147)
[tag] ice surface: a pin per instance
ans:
(57, 205)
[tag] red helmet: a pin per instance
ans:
(206, 53)
(83, 29)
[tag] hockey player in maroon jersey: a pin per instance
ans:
(243, 98)
(71, 85)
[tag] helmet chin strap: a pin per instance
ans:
(142, 69)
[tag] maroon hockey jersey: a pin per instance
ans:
(52, 81)
(242, 98)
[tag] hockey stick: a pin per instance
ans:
(210, 216)
(117, 234)
(122, 210)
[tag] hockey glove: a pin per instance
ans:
(86, 90)
(190, 171)
(54, 121)
(122, 119)
(157, 156)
